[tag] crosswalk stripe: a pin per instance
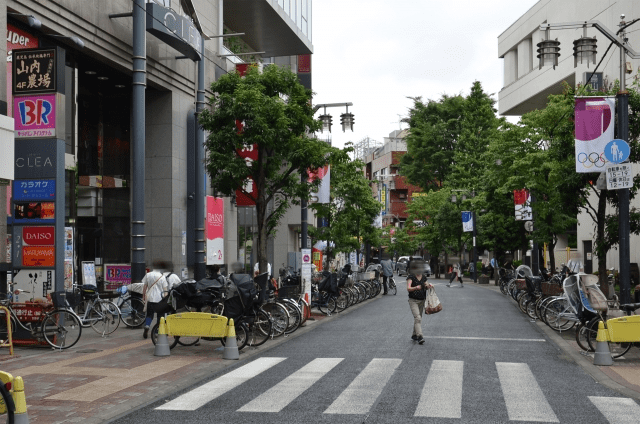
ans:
(204, 394)
(283, 393)
(442, 393)
(365, 388)
(617, 410)
(523, 397)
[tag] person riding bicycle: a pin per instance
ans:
(387, 272)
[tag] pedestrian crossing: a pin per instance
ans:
(442, 395)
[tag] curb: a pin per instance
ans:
(127, 408)
(585, 362)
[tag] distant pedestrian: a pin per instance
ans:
(417, 287)
(155, 284)
(456, 273)
(387, 272)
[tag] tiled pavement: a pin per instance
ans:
(102, 378)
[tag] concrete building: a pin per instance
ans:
(526, 87)
(98, 116)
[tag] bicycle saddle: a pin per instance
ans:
(630, 307)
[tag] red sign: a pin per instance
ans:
(16, 39)
(39, 256)
(304, 63)
(39, 236)
(249, 153)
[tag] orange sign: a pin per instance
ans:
(39, 256)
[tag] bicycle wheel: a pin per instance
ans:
(392, 286)
(295, 316)
(259, 329)
(523, 300)
(581, 337)
(7, 405)
(279, 318)
(531, 309)
(558, 316)
(154, 337)
(343, 300)
(104, 317)
(327, 305)
(61, 329)
(132, 312)
(616, 349)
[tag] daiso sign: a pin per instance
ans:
(35, 116)
(38, 236)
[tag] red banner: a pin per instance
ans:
(249, 153)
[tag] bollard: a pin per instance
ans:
(162, 344)
(230, 343)
(20, 400)
(603, 354)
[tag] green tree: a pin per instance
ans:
(351, 212)
(276, 115)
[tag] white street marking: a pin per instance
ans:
(523, 397)
(204, 394)
(285, 392)
(617, 410)
(365, 389)
(442, 393)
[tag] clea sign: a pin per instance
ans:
(174, 29)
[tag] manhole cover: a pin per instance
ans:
(89, 351)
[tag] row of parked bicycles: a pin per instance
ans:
(564, 301)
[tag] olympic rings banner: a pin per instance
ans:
(594, 129)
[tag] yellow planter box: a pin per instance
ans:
(197, 324)
(624, 329)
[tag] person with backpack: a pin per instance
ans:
(417, 286)
(155, 284)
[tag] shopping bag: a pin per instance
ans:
(432, 305)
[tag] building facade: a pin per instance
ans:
(99, 118)
(527, 86)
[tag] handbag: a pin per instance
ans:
(432, 304)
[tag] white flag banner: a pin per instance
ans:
(594, 123)
(467, 221)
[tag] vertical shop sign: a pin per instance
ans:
(215, 230)
(68, 258)
(34, 71)
(35, 116)
(17, 39)
(249, 191)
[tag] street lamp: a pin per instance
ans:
(588, 46)
(346, 119)
(474, 260)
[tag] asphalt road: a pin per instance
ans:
(483, 362)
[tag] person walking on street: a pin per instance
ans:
(457, 273)
(155, 284)
(387, 272)
(417, 287)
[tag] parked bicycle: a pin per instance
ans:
(58, 325)
(131, 307)
(100, 314)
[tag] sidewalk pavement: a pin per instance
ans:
(102, 378)
(623, 376)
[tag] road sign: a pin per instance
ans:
(617, 151)
(619, 176)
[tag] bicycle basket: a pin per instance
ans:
(289, 292)
(72, 298)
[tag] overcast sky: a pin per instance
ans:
(376, 53)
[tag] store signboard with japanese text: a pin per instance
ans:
(117, 275)
(34, 190)
(17, 39)
(34, 71)
(39, 256)
(249, 154)
(36, 283)
(35, 116)
(215, 230)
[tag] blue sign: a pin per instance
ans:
(34, 190)
(617, 151)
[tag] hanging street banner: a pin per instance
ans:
(522, 201)
(215, 230)
(324, 174)
(467, 221)
(594, 125)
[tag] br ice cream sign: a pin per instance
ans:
(35, 116)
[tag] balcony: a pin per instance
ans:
(267, 27)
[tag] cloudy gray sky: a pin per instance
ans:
(376, 53)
